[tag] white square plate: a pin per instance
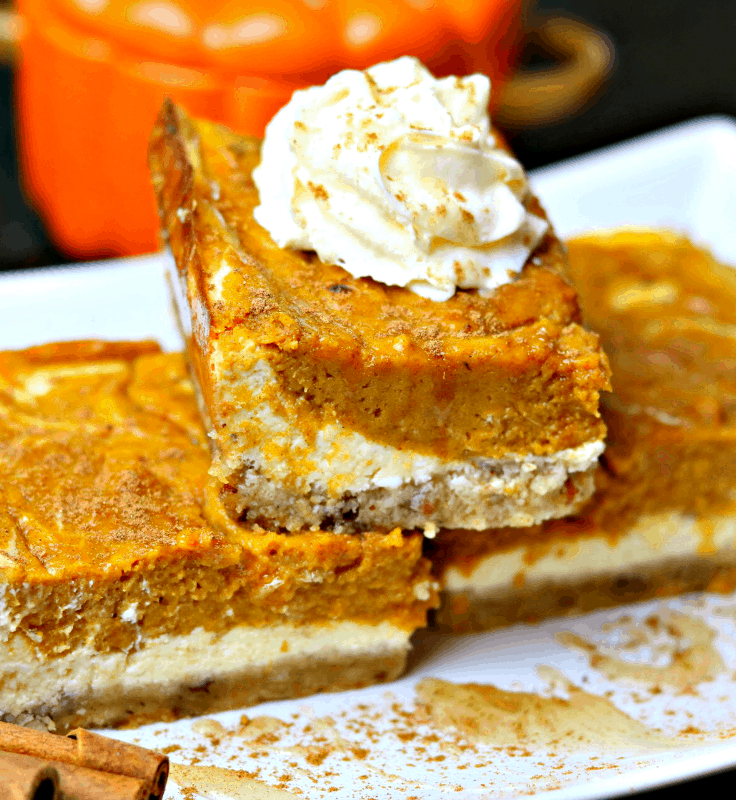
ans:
(684, 178)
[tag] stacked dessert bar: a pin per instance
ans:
(159, 560)
(340, 403)
(662, 519)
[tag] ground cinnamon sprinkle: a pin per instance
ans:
(419, 735)
(262, 301)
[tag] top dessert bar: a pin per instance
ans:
(341, 403)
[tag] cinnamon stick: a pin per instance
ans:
(100, 752)
(27, 778)
(91, 766)
(80, 783)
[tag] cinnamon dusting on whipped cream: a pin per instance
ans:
(395, 175)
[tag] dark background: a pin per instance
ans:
(676, 59)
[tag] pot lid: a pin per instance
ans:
(287, 38)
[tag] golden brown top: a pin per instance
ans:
(283, 295)
(92, 467)
(666, 312)
(511, 364)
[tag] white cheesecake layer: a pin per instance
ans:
(654, 539)
(167, 663)
(343, 460)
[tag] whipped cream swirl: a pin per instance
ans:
(397, 176)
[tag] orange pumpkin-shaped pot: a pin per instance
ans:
(93, 74)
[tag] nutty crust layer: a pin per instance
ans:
(512, 372)
(470, 612)
(288, 677)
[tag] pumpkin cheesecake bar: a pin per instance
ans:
(121, 601)
(663, 519)
(345, 403)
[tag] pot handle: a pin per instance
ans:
(9, 33)
(585, 59)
